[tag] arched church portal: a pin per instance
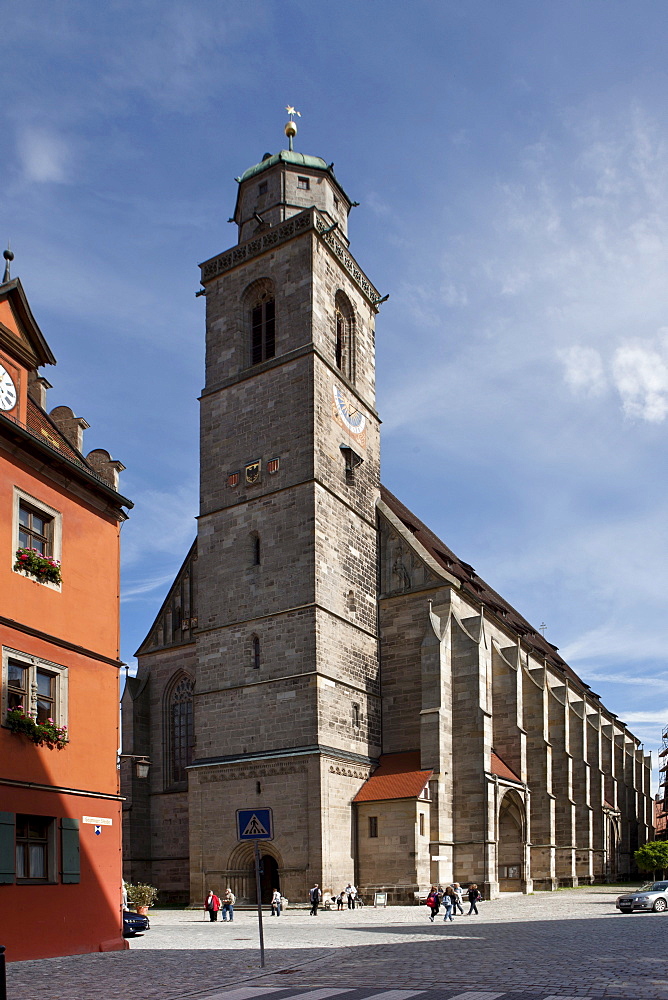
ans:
(241, 872)
(511, 843)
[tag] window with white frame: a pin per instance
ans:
(37, 686)
(36, 526)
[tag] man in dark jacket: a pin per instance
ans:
(314, 895)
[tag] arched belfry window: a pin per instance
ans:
(181, 729)
(344, 336)
(261, 309)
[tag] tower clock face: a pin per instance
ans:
(347, 412)
(7, 390)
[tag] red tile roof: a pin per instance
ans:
(501, 769)
(42, 426)
(398, 776)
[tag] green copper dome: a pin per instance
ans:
(285, 156)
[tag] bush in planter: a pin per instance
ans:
(44, 734)
(141, 895)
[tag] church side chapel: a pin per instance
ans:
(321, 652)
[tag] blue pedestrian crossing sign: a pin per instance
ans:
(255, 824)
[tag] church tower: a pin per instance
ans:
(287, 699)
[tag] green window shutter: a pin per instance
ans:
(70, 868)
(7, 848)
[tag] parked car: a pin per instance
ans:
(134, 923)
(653, 896)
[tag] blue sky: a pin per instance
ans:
(511, 163)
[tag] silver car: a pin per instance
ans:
(653, 896)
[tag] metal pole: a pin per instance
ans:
(259, 904)
(3, 974)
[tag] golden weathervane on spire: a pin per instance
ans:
(291, 127)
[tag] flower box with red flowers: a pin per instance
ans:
(44, 734)
(43, 568)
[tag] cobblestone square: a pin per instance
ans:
(572, 943)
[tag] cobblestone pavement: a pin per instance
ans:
(571, 943)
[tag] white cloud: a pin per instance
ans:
(45, 157)
(583, 370)
(659, 716)
(146, 586)
(641, 377)
(637, 369)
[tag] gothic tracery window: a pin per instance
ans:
(181, 730)
(263, 330)
(344, 336)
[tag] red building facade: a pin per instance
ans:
(60, 519)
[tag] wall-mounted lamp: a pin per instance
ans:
(142, 763)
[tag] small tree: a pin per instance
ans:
(652, 856)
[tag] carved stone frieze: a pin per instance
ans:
(284, 231)
(328, 236)
(215, 774)
(401, 569)
(349, 772)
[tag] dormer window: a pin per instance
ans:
(304, 183)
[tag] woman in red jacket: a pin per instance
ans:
(212, 904)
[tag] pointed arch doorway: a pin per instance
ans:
(511, 842)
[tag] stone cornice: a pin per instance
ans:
(283, 753)
(55, 640)
(309, 220)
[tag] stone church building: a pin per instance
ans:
(321, 652)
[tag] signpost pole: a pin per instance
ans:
(259, 903)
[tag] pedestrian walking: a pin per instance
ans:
(474, 897)
(448, 901)
(228, 901)
(212, 905)
(351, 893)
(433, 902)
(315, 896)
(276, 904)
(457, 905)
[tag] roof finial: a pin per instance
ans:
(291, 126)
(9, 257)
